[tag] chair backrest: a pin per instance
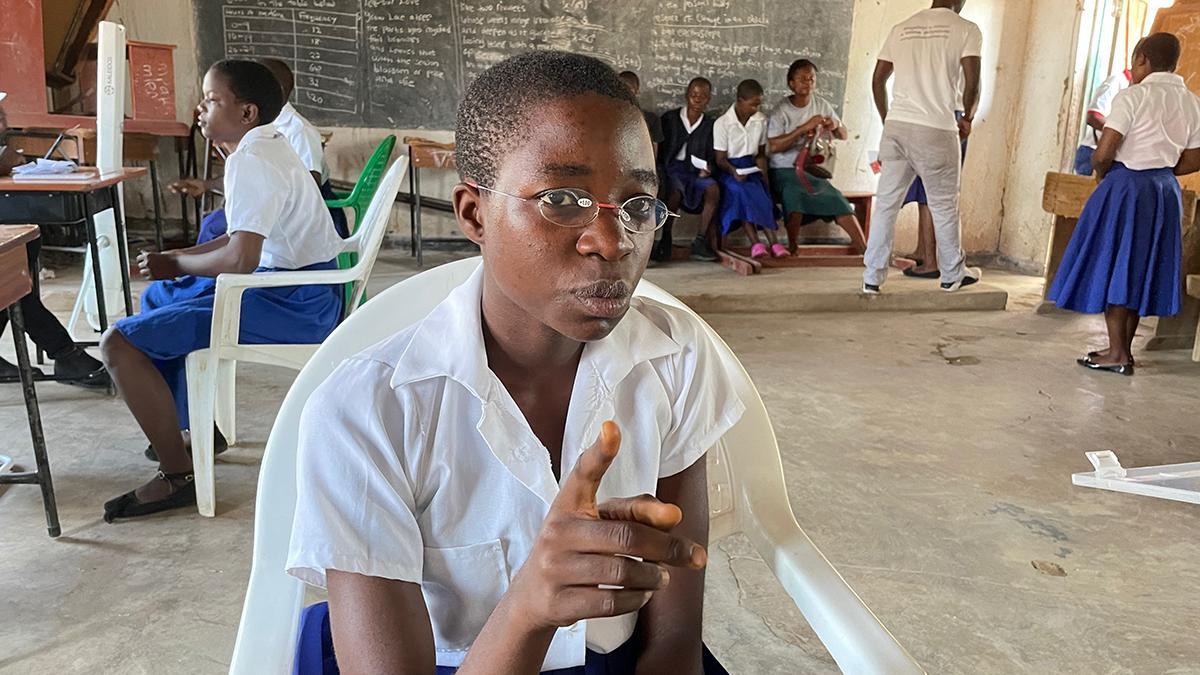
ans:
(366, 242)
(749, 494)
(368, 181)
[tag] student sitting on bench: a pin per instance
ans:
(687, 155)
(740, 145)
(791, 127)
(304, 138)
(452, 493)
(277, 222)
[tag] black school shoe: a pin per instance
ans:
(972, 277)
(9, 373)
(81, 369)
(128, 506)
(1125, 369)
(219, 445)
(702, 251)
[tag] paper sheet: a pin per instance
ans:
(748, 170)
(699, 163)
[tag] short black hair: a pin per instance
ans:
(749, 89)
(799, 65)
(282, 72)
(1162, 50)
(492, 114)
(252, 82)
(703, 81)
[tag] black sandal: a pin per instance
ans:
(219, 445)
(1092, 357)
(128, 506)
(1125, 369)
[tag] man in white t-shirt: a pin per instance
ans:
(1097, 116)
(928, 54)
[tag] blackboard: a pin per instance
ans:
(404, 63)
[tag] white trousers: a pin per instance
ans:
(907, 151)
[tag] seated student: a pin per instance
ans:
(686, 154)
(740, 145)
(447, 494)
(277, 222)
(1097, 116)
(790, 127)
(304, 138)
(71, 363)
(1125, 255)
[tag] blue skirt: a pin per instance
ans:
(176, 320)
(686, 179)
(1127, 247)
(215, 224)
(314, 653)
(748, 201)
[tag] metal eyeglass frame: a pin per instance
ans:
(623, 216)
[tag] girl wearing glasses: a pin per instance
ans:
(468, 487)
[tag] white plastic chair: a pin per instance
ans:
(212, 372)
(746, 495)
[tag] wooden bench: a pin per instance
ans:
(425, 154)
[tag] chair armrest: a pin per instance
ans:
(343, 200)
(230, 282)
(851, 632)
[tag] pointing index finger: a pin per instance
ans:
(578, 492)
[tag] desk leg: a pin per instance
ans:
(413, 205)
(158, 224)
(416, 174)
(35, 421)
(122, 251)
(94, 248)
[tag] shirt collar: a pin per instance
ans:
(286, 114)
(1173, 79)
(687, 125)
(449, 343)
(261, 132)
(731, 114)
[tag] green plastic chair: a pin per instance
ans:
(359, 199)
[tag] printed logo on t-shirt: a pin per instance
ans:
(925, 33)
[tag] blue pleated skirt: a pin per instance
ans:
(176, 320)
(315, 656)
(747, 201)
(1127, 247)
(685, 178)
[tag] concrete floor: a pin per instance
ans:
(928, 455)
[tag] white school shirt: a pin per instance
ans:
(736, 139)
(269, 192)
(1102, 103)
(1159, 119)
(304, 138)
(416, 464)
(927, 52)
(688, 127)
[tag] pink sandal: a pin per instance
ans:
(758, 251)
(780, 251)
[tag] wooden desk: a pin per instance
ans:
(1064, 196)
(15, 283)
(71, 203)
(425, 154)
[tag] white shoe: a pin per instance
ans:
(969, 278)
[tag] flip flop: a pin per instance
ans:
(911, 272)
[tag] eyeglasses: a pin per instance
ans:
(573, 207)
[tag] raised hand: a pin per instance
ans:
(584, 545)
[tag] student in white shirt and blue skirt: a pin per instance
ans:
(1125, 255)
(277, 222)
(452, 492)
(740, 145)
